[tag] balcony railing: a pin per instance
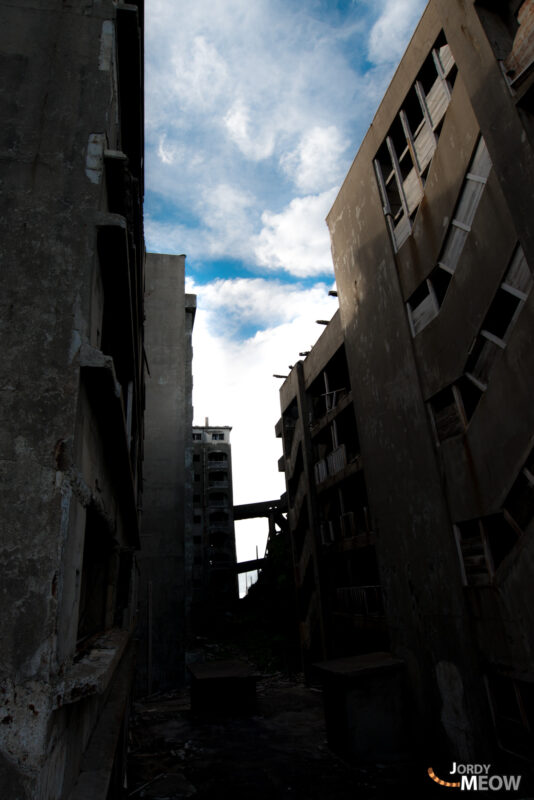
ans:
(331, 465)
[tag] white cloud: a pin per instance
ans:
(315, 164)
(233, 380)
(297, 239)
(390, 34)
(255, 145)
(264, 304)
(200, 74)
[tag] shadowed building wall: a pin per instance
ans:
(169, 322)
(72, 254)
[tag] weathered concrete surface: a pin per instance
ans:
(417, 486)
(59, 101)
(168, 430)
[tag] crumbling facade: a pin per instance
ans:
(170, 315)
(214, 571)
(73, 391)
(425, 404)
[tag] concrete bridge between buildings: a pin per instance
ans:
(273, 511)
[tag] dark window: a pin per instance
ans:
(95, 574)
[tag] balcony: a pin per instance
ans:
(217, 466)
(335, 467)
(337, 402)
(331, 465)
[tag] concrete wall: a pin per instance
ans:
(417, 486)
(167, 432)
(66, 453)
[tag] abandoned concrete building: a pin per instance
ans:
(167, 493)
(408, 430)
(213, 574)
(73, 391)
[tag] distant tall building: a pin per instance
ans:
(214, 573)
(72, 392)
(170, 315)
(408, 430)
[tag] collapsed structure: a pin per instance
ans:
(408, 430)
(73, 391)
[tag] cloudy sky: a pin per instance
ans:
(255, 110)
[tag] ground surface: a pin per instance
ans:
(278, 751)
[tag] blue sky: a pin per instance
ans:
(255, 110)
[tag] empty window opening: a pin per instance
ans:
(470, 392)
(218, 457)
(440, 279)
(501, 314)
(217, 477)
(94, 587)
(447, 413)
(422, 307)
(520, 500)
(219, 516)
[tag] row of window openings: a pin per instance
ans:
(215, 437)
(401, 165)
(453, 407)
(213, 477)
(214, 499)
(211, 457)
(485, 542)
(425, 303)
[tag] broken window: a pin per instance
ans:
(447, 413)
(402, 162)
(519, 503)
(217, 437)
(484, 543)
(424, 304)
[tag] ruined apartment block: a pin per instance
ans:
(73, 391)
(213, 576)
(408, 430)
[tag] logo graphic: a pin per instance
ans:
(477, 778)
(438, 780)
